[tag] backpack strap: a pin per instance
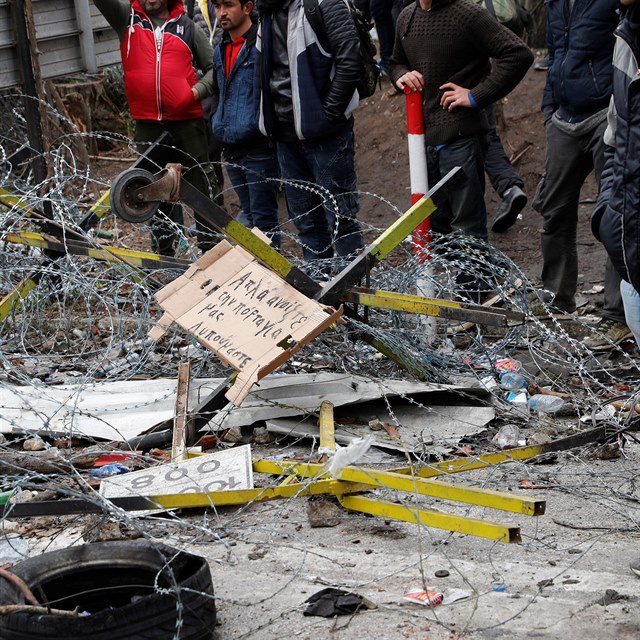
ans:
(490, 8)
(314, 18)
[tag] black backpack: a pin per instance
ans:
(371, 76)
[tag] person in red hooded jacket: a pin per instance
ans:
(162, 50)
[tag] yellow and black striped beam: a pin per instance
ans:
(388, 240)
(140, 259)
(447, 309)
(215, 216)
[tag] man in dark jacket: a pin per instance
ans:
(159, 45)
(580, 43)
(308, 95)
(616, 217)
(250, 157)
(443, 48)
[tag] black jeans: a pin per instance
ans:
(499, 170)
(192, 151)
(569, 160)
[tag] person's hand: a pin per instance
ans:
(194, 91)
(413, 80)
(454, 96)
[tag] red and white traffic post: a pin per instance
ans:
(418, 176)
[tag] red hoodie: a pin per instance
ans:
(159, 66)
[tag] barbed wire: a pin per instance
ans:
(78, 321)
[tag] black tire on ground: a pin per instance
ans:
(133, 590)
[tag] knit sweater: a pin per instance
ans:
(454, 42)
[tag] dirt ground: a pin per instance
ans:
(569, 578)
(382, 166)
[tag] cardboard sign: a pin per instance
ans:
(220, 471)
(248, 316)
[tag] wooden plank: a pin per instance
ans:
(179, 443)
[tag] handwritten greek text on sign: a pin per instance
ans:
(246, 314)
(241, 318)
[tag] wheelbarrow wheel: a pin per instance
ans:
(123, 196)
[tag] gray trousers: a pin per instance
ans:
(570, 159)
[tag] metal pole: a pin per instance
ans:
(417, 161)
(29, 66)
(87, 44)
(419, 179)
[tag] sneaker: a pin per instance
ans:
(513, 202)
(634, 565)
(607, 334)
(384, 67)
(542, 64)
(543, 310)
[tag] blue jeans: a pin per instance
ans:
(322, 197)
(631, 300)
(464, 209)
(255, 180)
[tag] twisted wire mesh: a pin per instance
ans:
(87, 321)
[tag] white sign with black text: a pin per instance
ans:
(221, 471)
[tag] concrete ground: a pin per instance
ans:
(569, 578)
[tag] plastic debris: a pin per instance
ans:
(545, 404)
(426, 598)
(111, 469)
(507, 437)
(519, 399)
(512, 381)
(508, 364)
(350, 454)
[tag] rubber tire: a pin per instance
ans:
(84, 570)
(121, 196)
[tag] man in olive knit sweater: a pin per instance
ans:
(443, 48)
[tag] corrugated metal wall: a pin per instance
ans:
(63, 48)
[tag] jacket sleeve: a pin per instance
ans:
(610, 226)
(511, 59)
(399, 65)
(204, 60)
(606, 182)
(606, 177)
(116, 13)
(345, 49)
(548, 103)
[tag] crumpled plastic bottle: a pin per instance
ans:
(507, 437)
(545, 404)
(131, 359)
(512, 381)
